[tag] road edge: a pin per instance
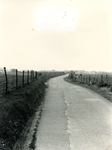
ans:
(103, 91)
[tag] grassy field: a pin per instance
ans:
(11, 76)
(14, 81)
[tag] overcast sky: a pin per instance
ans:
(56, 34)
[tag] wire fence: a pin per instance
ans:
(92, 79)
(10, 80)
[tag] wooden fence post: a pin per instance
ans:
(107, 79)
(101, 78)
(97, 80)
(81, 78)
(31, 75)
(28, 77)
(36, 75)
(84, 79)
(16, 78)
(6, 79)
(23, 77)
(89, 79)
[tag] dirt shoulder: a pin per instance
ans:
(103, 91)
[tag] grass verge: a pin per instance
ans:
(103, 91)
(15, 110)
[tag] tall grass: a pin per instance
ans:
(15, 110)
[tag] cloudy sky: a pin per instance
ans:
(56, 34)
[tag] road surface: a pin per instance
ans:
(74, 118)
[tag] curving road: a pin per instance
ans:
(74, 118)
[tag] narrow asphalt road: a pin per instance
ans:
(74, 118)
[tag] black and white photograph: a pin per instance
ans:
(55, 74)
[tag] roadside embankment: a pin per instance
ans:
(104, 91)
(16, 108)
